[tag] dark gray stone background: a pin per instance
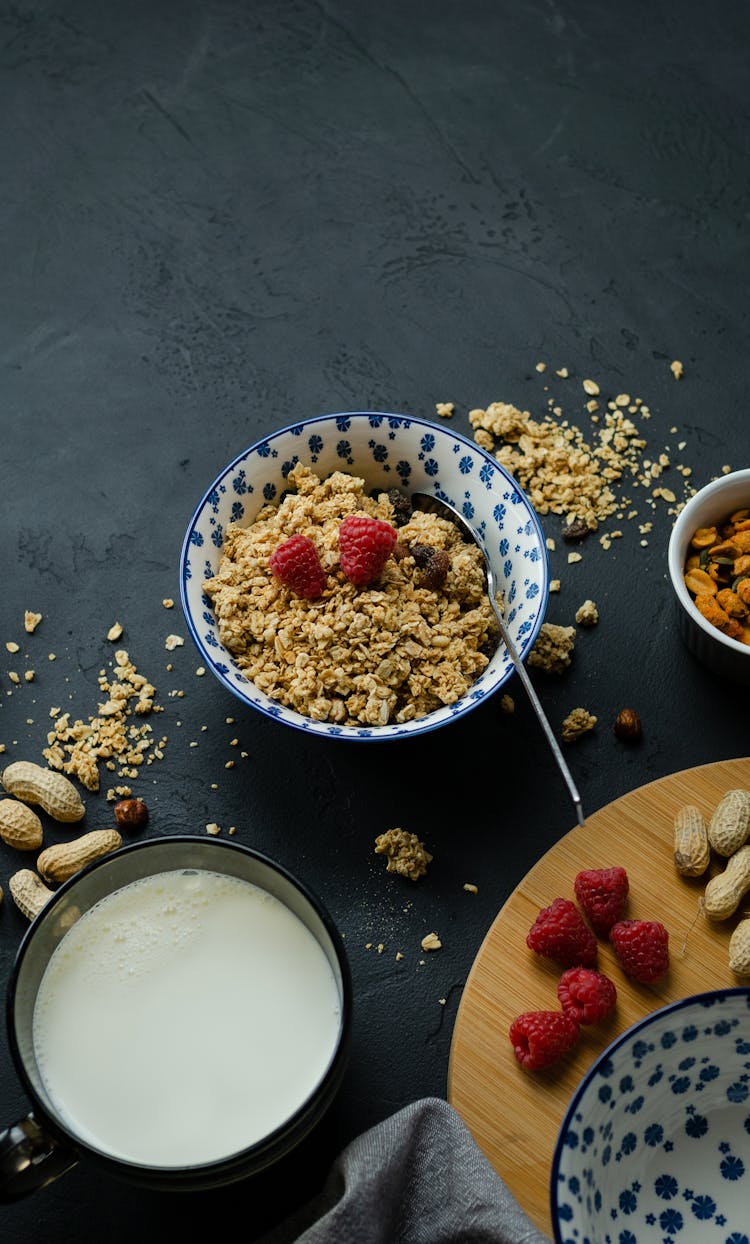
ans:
(220, 217)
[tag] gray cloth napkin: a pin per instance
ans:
(416, 1178)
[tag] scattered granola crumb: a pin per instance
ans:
(562, 372)
(380, 947)
(578, 722)
(2, 748)
(553, 650)
(725, 470)
(574, 557)
(554, 585)
(13, 676)
(431, 942)
(445, 409)
(31, 621)
(168, 603)
(213, 829)
(471, 888)
(51, 656)
(200, 671)
(399, 956)
(28, 675)
(591, 387)
(540, 367)
(172, 642)
(76, 747)
(676, 369)
(507, 703)
(12, 646)
(587, 614)
(406, 854)
(115, 632)
(550, 544)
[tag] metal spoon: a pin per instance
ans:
(426, 501)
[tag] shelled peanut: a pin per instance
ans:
(726, 835)
(717, 574)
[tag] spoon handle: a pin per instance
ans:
(531, 693)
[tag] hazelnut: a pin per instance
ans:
(627, 725)
(131, 813)
(577, 530)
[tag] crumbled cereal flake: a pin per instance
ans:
(172, 642)
(574, 557)
(31, 621)
(444, 409)
(578, 722)
(213, 829)
(587, 614)
(406, 854)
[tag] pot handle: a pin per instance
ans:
(30, 1159)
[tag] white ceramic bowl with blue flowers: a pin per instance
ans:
(387, 451)
(655, 1145)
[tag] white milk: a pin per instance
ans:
(184, 1017)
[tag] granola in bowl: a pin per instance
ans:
(393, 651)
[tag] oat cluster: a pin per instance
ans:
(406, 854)
(579, 721)
(553, 649)
(391, 652)
(110, 736)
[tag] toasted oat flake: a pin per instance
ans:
(29, 675)
(12, 646)
(541, 367)
(471, 888)
(213, 829)
(431, 942)
(172, 642)
(114, 632)
(13, 676)
(574, 557)
(554, 585)
(591, 387)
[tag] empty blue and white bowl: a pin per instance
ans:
(387, 451)
(655, 1145)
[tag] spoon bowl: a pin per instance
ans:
(435, 505)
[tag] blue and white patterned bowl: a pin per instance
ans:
(655, 1145)
(387, 451)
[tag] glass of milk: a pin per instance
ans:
(178, 1012)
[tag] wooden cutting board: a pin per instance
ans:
(515, 1115)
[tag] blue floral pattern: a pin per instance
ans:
(683, 1173)
(387, 451)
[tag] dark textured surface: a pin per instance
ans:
(219, 216)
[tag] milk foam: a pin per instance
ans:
(183, 1018)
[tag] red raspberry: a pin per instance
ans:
(539, 1038)
(602, 893)
(586, 996)
(642, 946)
(561, 933)
(296, 564)
(365, 544)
